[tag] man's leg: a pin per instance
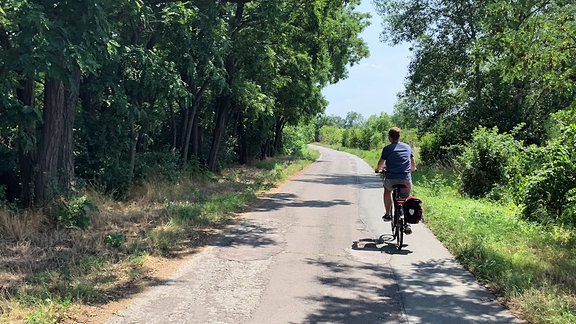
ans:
(387, 204)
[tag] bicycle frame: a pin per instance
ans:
(398, 216)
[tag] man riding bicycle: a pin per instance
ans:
(399, 164)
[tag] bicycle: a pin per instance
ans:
(397, 223)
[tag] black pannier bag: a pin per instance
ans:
(413, 210)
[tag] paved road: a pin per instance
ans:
(293, 260)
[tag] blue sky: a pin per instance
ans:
(372, 85)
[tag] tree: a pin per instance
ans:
(354, 119)
(55, 42)
(105, 91)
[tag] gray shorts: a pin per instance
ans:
(404, 192)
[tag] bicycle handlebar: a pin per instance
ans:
(384, 170)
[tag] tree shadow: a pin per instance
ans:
(358, 181)
(285, 200)
(437, 291)
(363, 300)
(445, 285)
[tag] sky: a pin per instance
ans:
(372, 85)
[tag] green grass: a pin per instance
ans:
(529, 266)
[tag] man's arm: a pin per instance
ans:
(412, 164)
(380, 165)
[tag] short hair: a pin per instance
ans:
(394, 133)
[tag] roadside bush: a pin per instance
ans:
(352, 138)
(484, 160)
(73, 212)
(331, 135)
(551, 192)
(433, 151)
(296, 138)
(409, 136)
(370, 139)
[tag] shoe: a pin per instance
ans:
(407, 229)
(387, 218)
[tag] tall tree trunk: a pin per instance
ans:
(242, 140)
(66, 161)
(197, 138)
(224, 101)
(174, 128)
(185, 126)
(278, 136)
(27, 152)
(219, 130)
(189, 121)
(134, 135)
(50, 141)
(56, 150)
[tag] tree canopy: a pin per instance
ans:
(104, 91)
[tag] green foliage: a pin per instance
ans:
(296, 138)
(493, 64)
(484, 160)
(352, 137)
(51, 310)
(430, 147)
(161, 84)
(436, 185)
(410, 136)
(115, 239)
(524, 262)
(354, 120)
(155, 164)
(73, 212)
(550, 191)
(331, 135)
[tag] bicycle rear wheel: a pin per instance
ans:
(400, 233)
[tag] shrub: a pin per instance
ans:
(73, 212)
(433, 151)
(551, 191)
(331, 135)
(484, 160)
(370, 139)
(296, 138)
(352, 138)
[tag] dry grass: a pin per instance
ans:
(44, 267)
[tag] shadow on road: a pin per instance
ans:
(247, 234)
(359, 181)
(384, 244)
(284, 200)
(429, 286)
(364, 300)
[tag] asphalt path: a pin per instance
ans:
(306, 255)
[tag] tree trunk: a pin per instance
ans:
(185, 126)
(278, 136)
(189, 121)
(26, 152)
(219, 130)
(56, 150)
(224, 101)
(196, 138)
(66, 161)
(242, 140)
(134, 135)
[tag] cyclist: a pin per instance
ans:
(397, 162)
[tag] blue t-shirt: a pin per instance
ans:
(397, 156)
